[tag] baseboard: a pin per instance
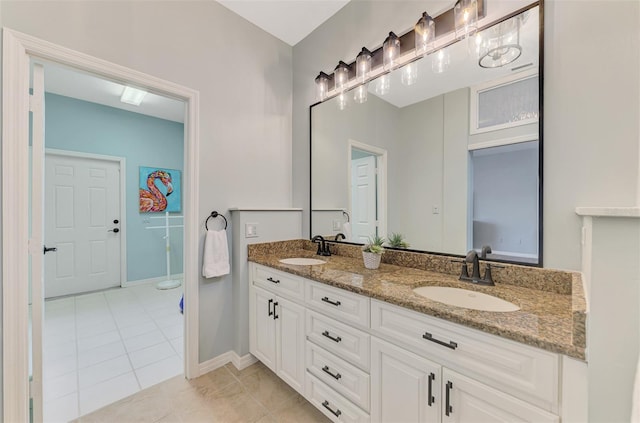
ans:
(243, 362)
(228, 357)
(127, 284)
(216, 362)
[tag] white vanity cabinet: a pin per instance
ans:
(359, 359)
(277, 335)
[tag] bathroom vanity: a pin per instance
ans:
(361, 345)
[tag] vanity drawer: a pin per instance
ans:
(528, 373)
(338, 303)
(345, 341)
(281, 283)
(332, 404)
(348, 380)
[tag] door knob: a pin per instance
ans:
(114, 230)
(116, 221)
(49, 249)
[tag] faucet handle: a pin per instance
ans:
(464, 272)
(487, 273)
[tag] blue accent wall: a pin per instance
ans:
(77, 125)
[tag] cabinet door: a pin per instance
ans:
(404, 386)
(263, 327)
(290, 342)
(467, 400)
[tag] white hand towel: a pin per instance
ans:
(346, 230)
(216, 254)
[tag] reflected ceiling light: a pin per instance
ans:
(360, 93)
(341, 76)
(383, 84)
(322, 86)
(363, 65)
(425, 34)
(133, 96)
(390, 51)
(465, 14)
(440, 61)
(409, 73)
(500, 44)
(343, 101)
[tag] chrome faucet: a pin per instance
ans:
(323, 247)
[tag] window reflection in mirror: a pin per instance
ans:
(431, 136)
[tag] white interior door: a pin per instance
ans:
(82, 220)
(363, 198)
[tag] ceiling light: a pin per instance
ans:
(440, 61)
(341, 76)
(363, 65)
(500, 44)
(465, 14)
(425, 33)
(132, 96)
(360, 93)
(409, 73)
(383, 84)
(390, 51)
(322, 86)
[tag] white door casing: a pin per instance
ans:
(17, 50)
(363, 198)
(37, 229)
(82, 204)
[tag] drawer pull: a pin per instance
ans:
(431, 398)
(269, 307)
(275, 316)
(270, 279)
(450, 344)
(327, 371)
(326, 334)
(327, 300)
(336, 413)
(447, 407)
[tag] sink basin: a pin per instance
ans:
(302, 261)
(466, 299)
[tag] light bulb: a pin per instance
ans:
(341, 76)
(465, 14)
(425, 34)
(390, 51)
(322, 86)
(363, 65)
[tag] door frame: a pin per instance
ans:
(381, 181)
(18, 49)
(122, 162)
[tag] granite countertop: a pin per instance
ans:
(548, 320)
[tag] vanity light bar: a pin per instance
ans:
(444, 24)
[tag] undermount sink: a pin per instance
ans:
(302, 261)
(466, 298)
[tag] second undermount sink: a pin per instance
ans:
(466, 298)
(302, 261)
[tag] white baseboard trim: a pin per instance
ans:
(243, 362)
(228, 357)
(127, 284)
(216, 362)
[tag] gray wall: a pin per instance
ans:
(244, 79)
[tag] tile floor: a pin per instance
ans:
(99, 348)
(227, 395)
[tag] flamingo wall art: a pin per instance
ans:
(159, 190)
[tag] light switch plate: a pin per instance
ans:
(337, 225)
(250, 230)
(436, 210)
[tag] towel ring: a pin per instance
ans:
(344, 213)
(215, 214)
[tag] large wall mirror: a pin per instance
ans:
(445, 153)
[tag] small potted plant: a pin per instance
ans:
(396, 240)
(372, 252)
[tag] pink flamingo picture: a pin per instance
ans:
(152, 199)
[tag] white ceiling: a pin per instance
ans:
(288, 20)
(83, 86)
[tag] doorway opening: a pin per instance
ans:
(24, 225)
(367, 176)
